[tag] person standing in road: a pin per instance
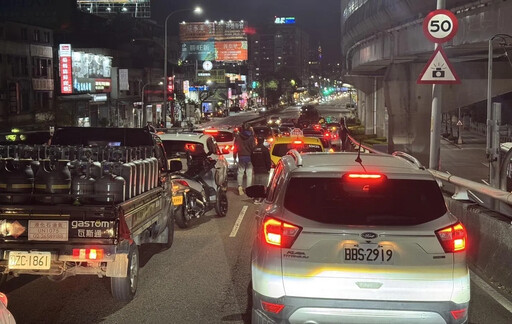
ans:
(261, 163)
(343, 135)
(244, 144)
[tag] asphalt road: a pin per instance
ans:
(203, 278)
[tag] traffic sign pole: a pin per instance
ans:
(435, 119)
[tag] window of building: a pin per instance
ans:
(41, 67)
(46, 37)
(37, 35)
(24, 35)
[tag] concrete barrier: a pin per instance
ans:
(489, 241)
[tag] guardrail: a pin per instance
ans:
(498, 200)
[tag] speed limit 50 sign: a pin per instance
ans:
(440, 26)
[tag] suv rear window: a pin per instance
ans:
(393, 202)
(281, 149)
(262, 131)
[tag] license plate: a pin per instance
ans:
(45, 230)
(177, 200)
(368, 253)
(30, 260)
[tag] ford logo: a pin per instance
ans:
(369, 235)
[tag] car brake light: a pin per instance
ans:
(327, 135)
(364, 176)
(271, 307)
(3, 299)
(89, 254)
(317, 127)
(190, 147)
(210, 131)
(459, 313)
(270, 140)
(298, 142)
(280, 233)
(452, 238)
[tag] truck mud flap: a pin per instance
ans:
(118, 268)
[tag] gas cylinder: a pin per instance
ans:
(82, 184)
(124, 170)
(148, 173)
(18, 178)
(109, 188)
(140, 176)
(156, 172)
(54, 180)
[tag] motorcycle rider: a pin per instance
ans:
(244, 144)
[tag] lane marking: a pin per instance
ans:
(238, 221)
(491, 291)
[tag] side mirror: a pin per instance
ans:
(256, 191)
(175, 166)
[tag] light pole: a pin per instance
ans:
(197, 10)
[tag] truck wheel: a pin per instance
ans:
(181, 218)
(170, 231)
(124, 289)
(221, 206)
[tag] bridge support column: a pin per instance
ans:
(408, 106)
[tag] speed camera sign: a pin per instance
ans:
(440, 26)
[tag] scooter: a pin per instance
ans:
(192, 195)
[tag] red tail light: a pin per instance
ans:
(89, 254)
(272, 308)
(327, 135)
(3, 299)
(452, 238)
(190, 147)
(270, 140)
(317, 127)
(280, 233)
(459, 313)
(364, 176)
(210, 131)
(298, 142)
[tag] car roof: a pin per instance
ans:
(337, 162)
(290, 139)
(185, 137)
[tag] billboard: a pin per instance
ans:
(231, 51)
(196, 50)
(134, 8)
(91, 72)
(212, 31)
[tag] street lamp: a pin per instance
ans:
(196, 10)
(144, 112)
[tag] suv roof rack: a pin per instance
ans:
(409, 158)
(296, 156)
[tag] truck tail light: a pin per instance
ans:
(452, 238)
(88, 254)
(280, 233)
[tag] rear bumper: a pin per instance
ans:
(327, 311)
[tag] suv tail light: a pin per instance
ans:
(227, 148)
(452, 238)
(459, 313)
(271, 307)
(280, 233)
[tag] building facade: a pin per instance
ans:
(26, 74)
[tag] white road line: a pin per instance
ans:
(238, 221)
(491, 291)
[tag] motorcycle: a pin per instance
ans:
(192, 195)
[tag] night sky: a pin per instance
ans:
(319, 18)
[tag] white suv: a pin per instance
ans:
(343, 238)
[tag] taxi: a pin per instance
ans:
(296, 141)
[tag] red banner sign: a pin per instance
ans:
(65, 63)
